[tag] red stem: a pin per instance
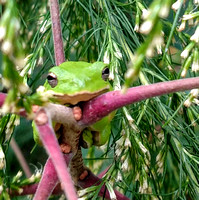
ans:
(97, 108)
(57, 33)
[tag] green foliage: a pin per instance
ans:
(153, 150)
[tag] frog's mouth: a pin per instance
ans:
(76, 98)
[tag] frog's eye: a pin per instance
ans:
(52, 79)
(105, 73)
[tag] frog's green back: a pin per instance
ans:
(78, 81)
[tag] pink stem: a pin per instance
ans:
(97, 108)
(48, 181)
(50, 143)
(57, 33)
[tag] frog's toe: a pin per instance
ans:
(77, 112)
(83, 175)
(65, 148)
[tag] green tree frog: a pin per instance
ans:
(74, 82)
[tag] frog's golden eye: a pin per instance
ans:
(52, 79)
(105, 73)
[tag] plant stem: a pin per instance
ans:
(172, 30)
(90, 180)
(20, 158)
(97, 108)
(48, 181)
(51, 145)
(57, 33)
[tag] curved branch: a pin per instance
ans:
(101, 106)
(95, 109)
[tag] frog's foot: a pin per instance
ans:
(65, 148)
(83, 175)
(77, 112)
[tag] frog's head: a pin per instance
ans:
(72, 82)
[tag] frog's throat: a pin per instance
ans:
(81, 96)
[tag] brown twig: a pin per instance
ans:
(57, 33)
(20, 158)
